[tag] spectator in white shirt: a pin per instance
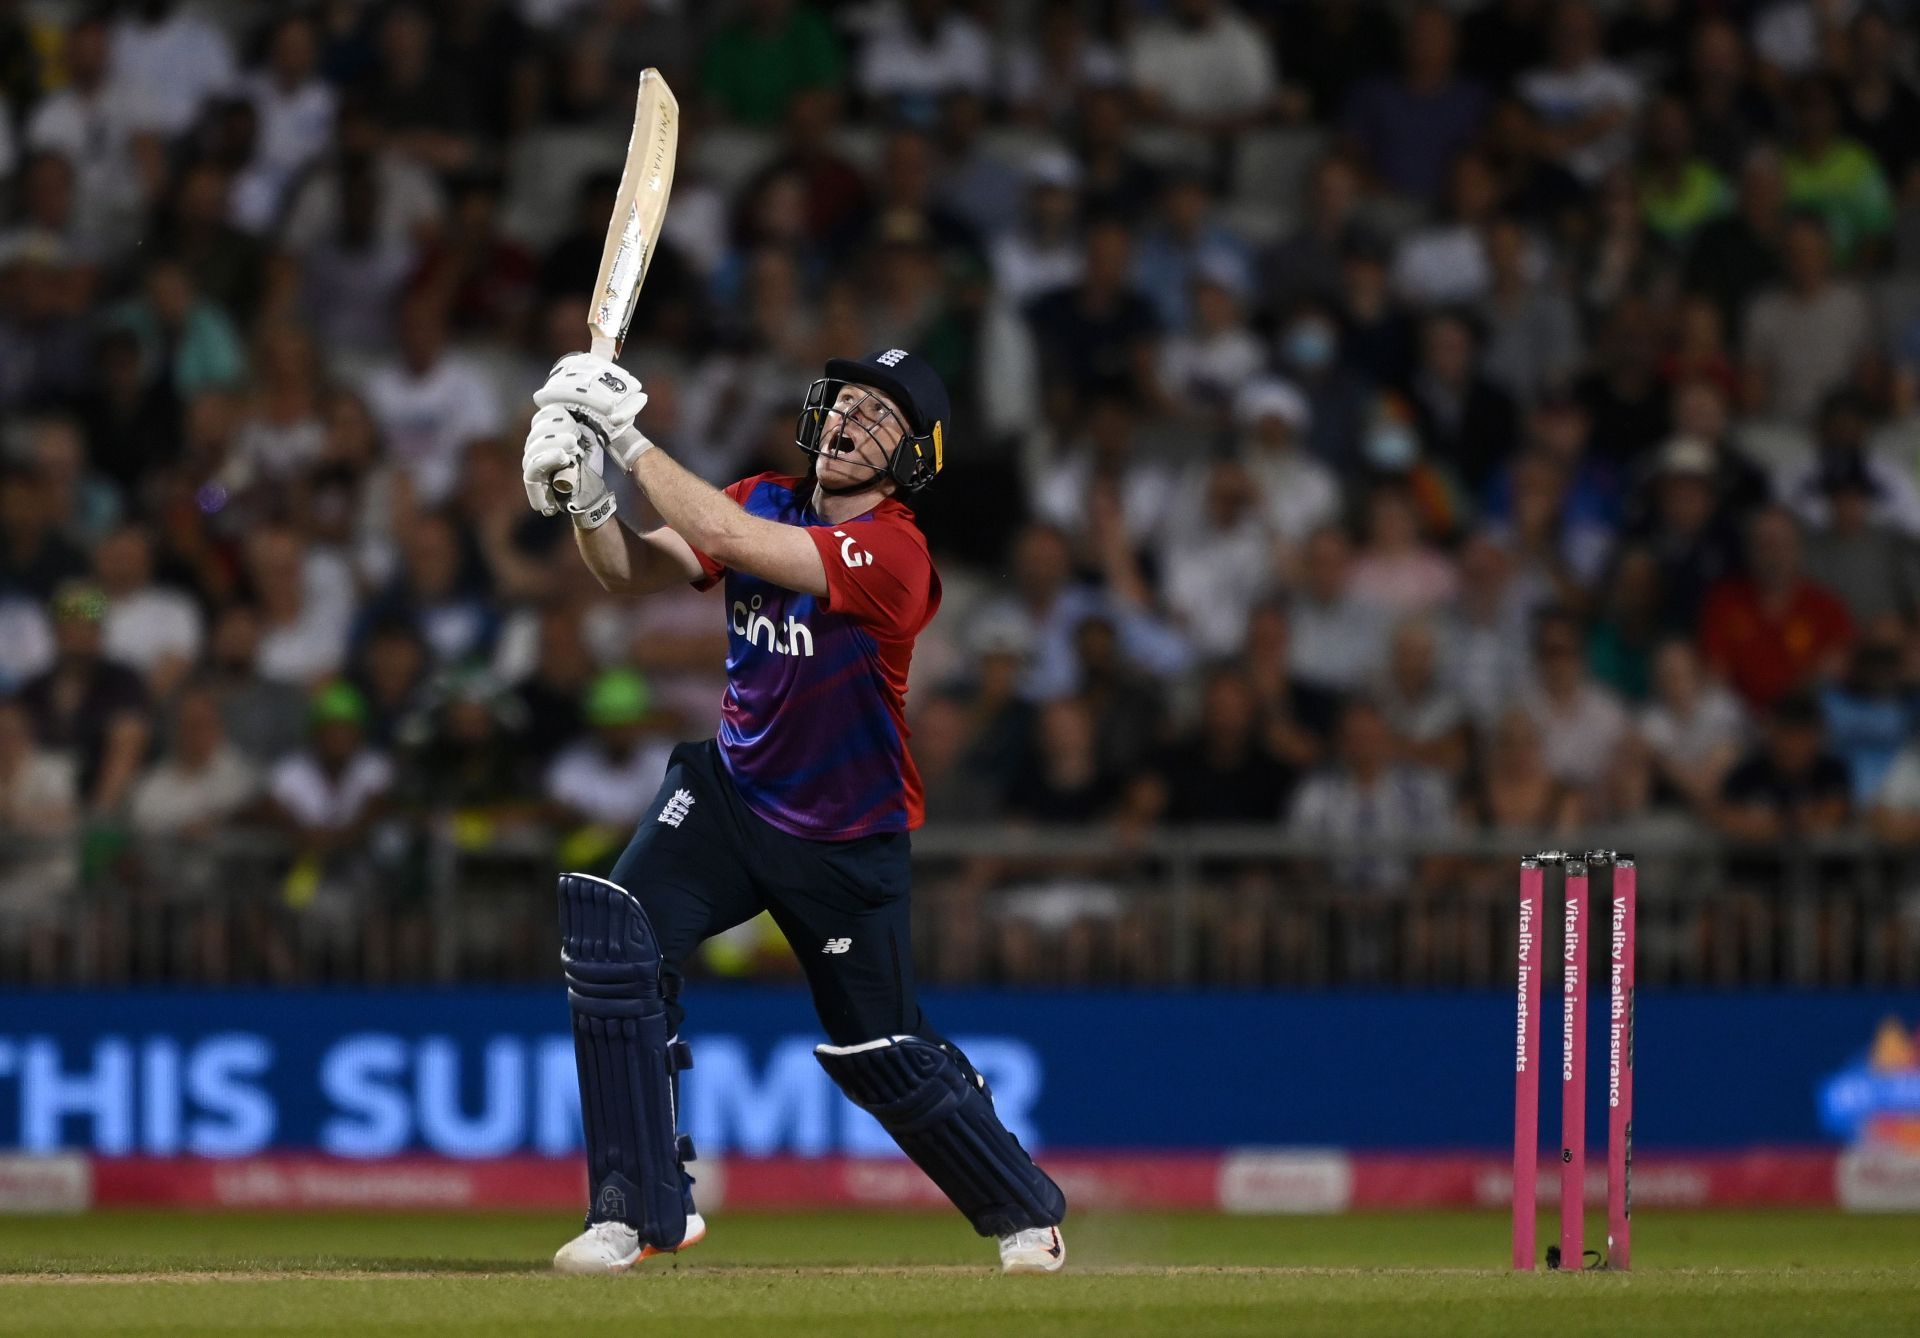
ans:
(1105, 451)
(1582, 724)
(171, 62)
(1204, 365)
(152, 628)
(607, 779)
(295, 110)
(1204, 66)
(1213, 573)
(430, 404)
(92, 123)
(306, 607)
(1586, 104)
(1044, 251)
(1693, 728)
(1339, 639)
(922, 51)
(202, 782)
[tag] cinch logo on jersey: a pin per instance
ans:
(791, 637)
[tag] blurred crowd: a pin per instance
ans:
(1371, 419)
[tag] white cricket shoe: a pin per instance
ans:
(1035, 1250)
(614, 1247)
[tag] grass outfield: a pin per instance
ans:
(853, 1275)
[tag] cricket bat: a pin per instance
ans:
(639, 212)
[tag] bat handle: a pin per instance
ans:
(568, 479)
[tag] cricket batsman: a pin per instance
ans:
(801, 806)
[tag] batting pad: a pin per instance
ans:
(939, 1112)
(625, 1059)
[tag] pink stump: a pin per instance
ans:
(1620, 1069)
(1526, 1066)
(1573, 1071)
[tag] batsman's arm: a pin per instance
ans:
(626, 563)
(713, 522)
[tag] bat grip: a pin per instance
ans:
(568, 479)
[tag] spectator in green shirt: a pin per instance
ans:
(1833, 175)
(1680, 191)
(758, 63)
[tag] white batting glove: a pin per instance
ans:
(605, 395)
(555, 443)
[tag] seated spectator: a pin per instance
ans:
(263, 717)
(441, 591)
(1874, 569)
(89, 707)
(1624, 395)
(1680, 191)
(605, 780)
(1063, 780)
(1407, 128)
(1895, 816)
(921, 51)
(1128, 711)
(1586, 103)
(426, 105)
(294, 107)
(1878, 106)
(283, 433)
(1366, 796)
(306, 607)
(1735, 257)
(170, 61)
(1693, 729)
(35, 558)
(393, 672)
(463, 757)
(765, 56)
(1773, 631)
(327, 798)
(184, 339)
(1446, 263)
(1468, 424)
(1513, 788)
(1305, 263)
(1224, 770)
(953, 785)
(1843, 447)
(154, 628)
(1805, 337)
(1483, 636)
(1790, 785)
(1338, 638)
(1691, 528)
(1214, 570)
(1582, 723)
(1428, 719)
(1296, 719)
(1047, 605)
(1099, 335)
(431, 404)
(1185, 239)
(1042, 251)
(1340, 395)
(39, 815)
(1871, 711)
(1834, 175)
(1397, 570)
(1620, 646)
(201, 783)
(1204, 66)
(1104, 453)
(1205, 363)
(481, 276)
(1533, 344)
(94, 123)
(1115, 177)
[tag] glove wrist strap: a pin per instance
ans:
(594, 515)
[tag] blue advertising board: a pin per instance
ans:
(490, 1072)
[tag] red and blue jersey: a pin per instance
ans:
(813, 726)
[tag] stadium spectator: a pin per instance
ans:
(1871, 711)
(1397, 569)
(1468, 424)
(1804, 338)
(1585, 101)
(1408, 128)
(93, 123)
(765, 57)
(1873, 568)
(1204, 66)
(1428, 718)
(1790, 785)
(1772, 631)
(602, 782)
(1582, 723)
(1306, 262)
(151, 627)
(200, 784)
(1833, 176)
(1337, 637)
(39, 812)
(1366, 795)
(921, 50)
(88, 706)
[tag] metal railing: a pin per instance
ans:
(1200, 906)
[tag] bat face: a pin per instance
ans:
(639, 211)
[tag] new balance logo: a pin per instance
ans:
(675, 812)
(838, 945)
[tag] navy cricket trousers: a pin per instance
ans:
(702, 862)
